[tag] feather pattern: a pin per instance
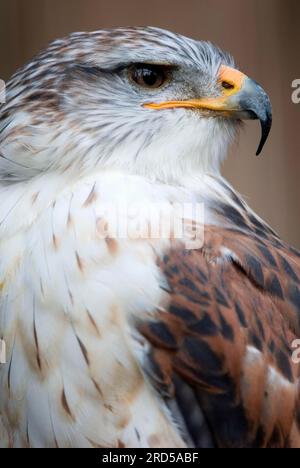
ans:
(133, 340)
(228, 333)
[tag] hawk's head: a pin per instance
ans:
(140, 99)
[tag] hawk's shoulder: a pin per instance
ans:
(221, 352)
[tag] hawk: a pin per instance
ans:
(139, 340)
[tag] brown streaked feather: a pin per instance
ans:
(234, 313)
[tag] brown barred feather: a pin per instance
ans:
(234, 313)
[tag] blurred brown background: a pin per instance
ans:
(263, 36)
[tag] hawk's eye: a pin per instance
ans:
(148, 76)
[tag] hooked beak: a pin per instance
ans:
(242, 98)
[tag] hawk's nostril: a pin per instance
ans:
(227, 85)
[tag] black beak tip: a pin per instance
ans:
(258, 105)
(266, 125)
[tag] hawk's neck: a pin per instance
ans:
(24, 202)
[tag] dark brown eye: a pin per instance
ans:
(148, 76)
